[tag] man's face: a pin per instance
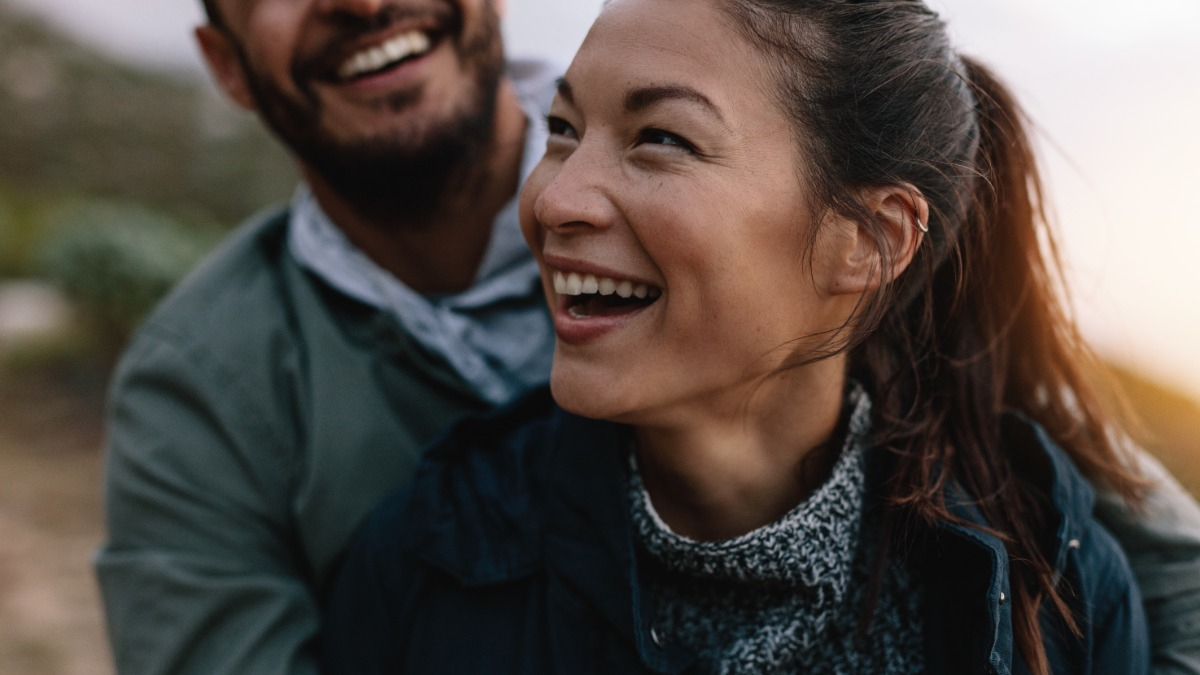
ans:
(363, 88)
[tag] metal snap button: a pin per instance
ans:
(1073, 544)
(655, 638)
(1003, 597)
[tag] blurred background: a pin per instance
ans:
(120, 166)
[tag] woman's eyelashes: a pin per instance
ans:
(557, 126)
(650, 136)
(654, 136)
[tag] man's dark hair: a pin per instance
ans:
(210, 10)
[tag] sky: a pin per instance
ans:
(1114, 91)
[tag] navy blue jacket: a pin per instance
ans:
(512, 552)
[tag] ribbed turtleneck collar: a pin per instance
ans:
(813, 545)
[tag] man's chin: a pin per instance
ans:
(400, 116)
(365, 137)
(399, 177)
(391, 156)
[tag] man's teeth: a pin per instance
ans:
(589, 284)
(375, 58)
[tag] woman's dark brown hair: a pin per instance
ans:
(975, 326)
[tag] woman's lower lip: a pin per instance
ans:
(573, 329)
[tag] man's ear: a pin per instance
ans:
(221, 55)
(901, 214)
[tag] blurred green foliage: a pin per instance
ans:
(115, 179)
(116, 260)
(6, 236)
(19, 236)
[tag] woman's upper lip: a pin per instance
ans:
(568, 265)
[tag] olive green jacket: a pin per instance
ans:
(256, 418)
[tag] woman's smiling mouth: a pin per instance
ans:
(590, 295)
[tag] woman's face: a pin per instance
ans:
(670, 220)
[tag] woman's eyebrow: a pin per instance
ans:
(640, 99)
(645, 97)
(564, 90)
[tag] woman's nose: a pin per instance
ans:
(577, 196)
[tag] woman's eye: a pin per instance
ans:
(660, 137)
(560, 127)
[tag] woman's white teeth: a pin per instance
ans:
(574, 285)
(394, 50)
(589, 284)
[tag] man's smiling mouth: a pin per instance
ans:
(385, 55)
(588, 295)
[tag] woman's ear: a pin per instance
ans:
(220, 53)
(868, 259)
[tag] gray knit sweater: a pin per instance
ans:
(789, 596)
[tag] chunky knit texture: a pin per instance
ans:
(788, 597)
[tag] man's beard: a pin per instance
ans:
(400, 174)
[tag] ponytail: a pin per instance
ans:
(976, 325)
(1048, 370)
(997, 337)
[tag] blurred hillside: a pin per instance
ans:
(114, 182)
(77, 124)
(1170, 424)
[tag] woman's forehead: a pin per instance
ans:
(654, 44)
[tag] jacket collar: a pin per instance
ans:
(531, 486)
(589, 534)
(1071, 495)
(1050, 470)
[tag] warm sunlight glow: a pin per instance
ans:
(1114, 21)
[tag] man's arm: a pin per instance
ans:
(200, 573)
(1162, 541)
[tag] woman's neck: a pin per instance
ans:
(717, 476)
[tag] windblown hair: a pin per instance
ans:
(976, 325)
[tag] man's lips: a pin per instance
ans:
(385, 55)
(379, 43)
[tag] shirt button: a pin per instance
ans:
(1003, 597)
(1073, 544)
(655, 637)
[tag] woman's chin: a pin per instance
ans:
(589, 398)
(571, 396)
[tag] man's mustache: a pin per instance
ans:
(351, 32)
